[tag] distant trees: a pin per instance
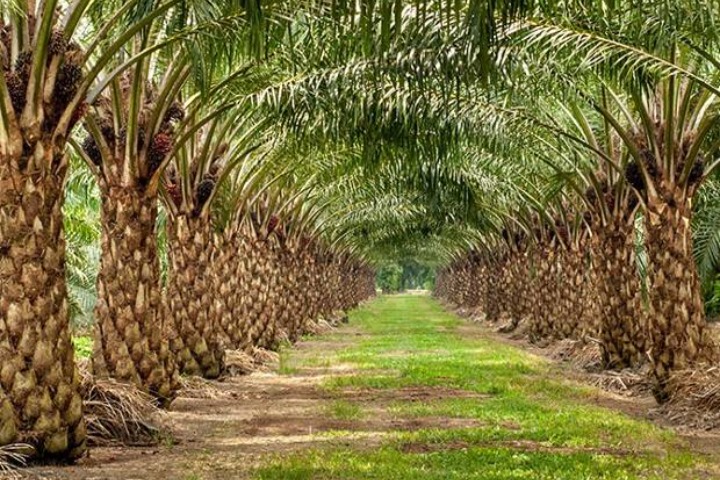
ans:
(405, 275)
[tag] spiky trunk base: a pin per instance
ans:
(676, 327)
(131, 344)
(622, 316)
(189, 298)
(232, 281)
(37, 366)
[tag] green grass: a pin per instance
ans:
(528, 422)
(83, 346)
(344, 410)
(284, 367)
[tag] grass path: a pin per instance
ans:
(405, 391)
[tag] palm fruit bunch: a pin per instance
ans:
(161, 144)
(172, 186)
(92, 149)
(273, 223)
(647, 156)
(698, 163)
(697, 171)
(63, 64)
(634, 177)
(203, 192)
(17, 80)
(174, 113)
(160, 147)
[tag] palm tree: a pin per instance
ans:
(206, 160)
(46, 76)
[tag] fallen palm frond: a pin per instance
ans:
(626, 382)
(263, 356)
(585, 355)
(238, 362)
(13, 457)
(319, 327)
(521, 331)
(282, 337)
(478, 315)
(120, 413)
(200, 388)
(695, 401)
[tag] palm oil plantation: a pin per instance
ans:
(381, 239)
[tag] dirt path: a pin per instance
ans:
(250, 419)
(251, 416)
(224, 437)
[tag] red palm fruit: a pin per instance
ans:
(273, 223)
(173, 190)
(160, 147)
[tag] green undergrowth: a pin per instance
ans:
(524, 421)
(83, 346)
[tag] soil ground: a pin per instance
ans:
(407, 391)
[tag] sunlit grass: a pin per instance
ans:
(527, 421)
(344, 410)
(83, 346)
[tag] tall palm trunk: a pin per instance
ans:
(676, 324)
(233, 283)
(479, 284)
(130, 344)
(588, 304)
(545, 287)
(8, 422)
(37, 367)
(190, 295)
(570, 290)
(492, 291)
(267, 299)
(621, 312)
(505, 297)
(305, 269)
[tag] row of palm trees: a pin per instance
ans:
(608, 256)
(157, 89)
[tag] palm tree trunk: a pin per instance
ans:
(130, 340)
(540, 325)
(620, 296)
(571, 293)
(676, 325)
(305, 287)
(189, 297)
(589, 303)
(492, 291)
(233, 280)
(8, 422)
(37, 367)
(263, 293)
